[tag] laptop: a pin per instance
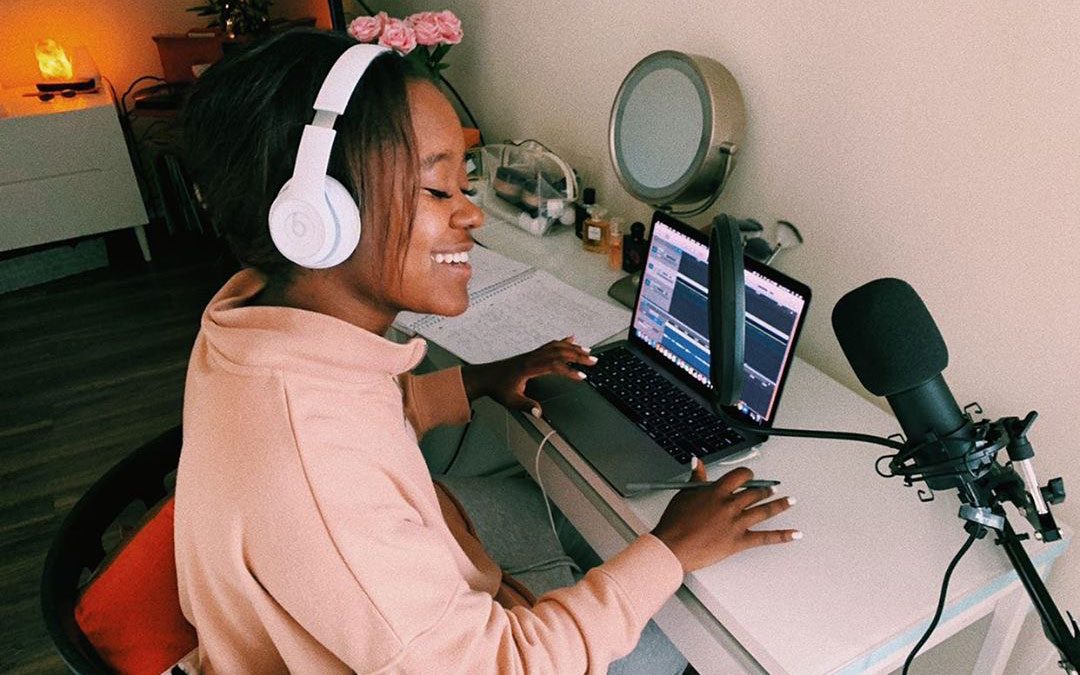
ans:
(644, 409)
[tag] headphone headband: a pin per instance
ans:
(343, 77)
(313, 156)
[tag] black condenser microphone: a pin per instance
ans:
(897, 351)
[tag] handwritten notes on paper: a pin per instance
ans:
(513, 309)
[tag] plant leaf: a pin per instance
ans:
(440, 52)
(417, 56)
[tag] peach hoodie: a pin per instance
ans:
(309, 537)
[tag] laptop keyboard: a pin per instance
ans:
(677, 422)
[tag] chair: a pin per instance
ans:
(139, 477)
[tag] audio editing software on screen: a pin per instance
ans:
(772, 312)
(673, 310)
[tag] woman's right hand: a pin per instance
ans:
(704, 525)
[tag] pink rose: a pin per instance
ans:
(367, 28)
(449, 27)
(426, 27)
(398, 35)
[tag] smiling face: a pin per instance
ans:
(436, 270)
(431, 274)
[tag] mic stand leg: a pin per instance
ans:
(1060, 634)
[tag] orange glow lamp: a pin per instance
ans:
(56, 69)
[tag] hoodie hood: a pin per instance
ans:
(297, 340)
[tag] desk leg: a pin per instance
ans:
(1009, 614)
(140, 234)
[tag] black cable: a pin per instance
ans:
(457, 450)
(123, 98)
(111, 88)
(121, 112)
(151, 127)
(807, 433)
(828, 435)
(132, 144)
(941, 600)
(463, 106)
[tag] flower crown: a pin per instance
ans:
(435, 31)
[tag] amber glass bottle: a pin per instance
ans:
(595, 231)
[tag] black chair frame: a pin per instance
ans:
(77, 546)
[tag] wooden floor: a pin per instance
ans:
(90, 367)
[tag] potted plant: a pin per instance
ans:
(236, 17)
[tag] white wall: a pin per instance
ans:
(936, 142)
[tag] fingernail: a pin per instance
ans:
(796, 535)
(535, 412)
(791, 501)
(580, 375)
(694, 461)
(585, 349)
(593, 360)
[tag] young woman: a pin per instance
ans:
(310, 536)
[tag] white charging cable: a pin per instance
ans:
(540, 481)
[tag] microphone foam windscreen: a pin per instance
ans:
(889, 337)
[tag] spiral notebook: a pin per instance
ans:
(514, 308)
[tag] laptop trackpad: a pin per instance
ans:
(615, 446)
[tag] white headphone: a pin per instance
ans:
(314, 221)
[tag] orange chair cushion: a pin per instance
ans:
(130, 611)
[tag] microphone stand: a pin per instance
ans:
(983, 495)
(1064, 637)
(984, 485)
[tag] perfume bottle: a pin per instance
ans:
(633, 249)
(595, 230)
(581, 210)
(615, 246)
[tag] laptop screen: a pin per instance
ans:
(774, 313)
(671, 318)
(672, 314)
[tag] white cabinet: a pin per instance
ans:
(65, 170)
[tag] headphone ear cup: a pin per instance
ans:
(346, 214)
(315, 230)
(298, 225)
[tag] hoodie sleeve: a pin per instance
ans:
(434, 399)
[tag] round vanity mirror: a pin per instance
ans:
(676, 124)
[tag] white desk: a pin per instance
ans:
(856, 593)
(65, 171)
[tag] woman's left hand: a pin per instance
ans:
(505, 380)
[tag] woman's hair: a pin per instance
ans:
(242, 126)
